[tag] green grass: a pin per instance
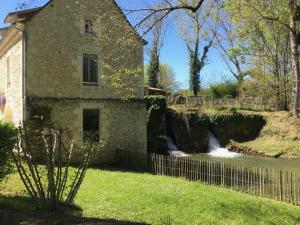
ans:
(280, 134)
(143, 197)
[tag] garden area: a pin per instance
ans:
(108, 194)
(116, 196)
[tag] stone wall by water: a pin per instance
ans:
(189, 130)
(236, 127)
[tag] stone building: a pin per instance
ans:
(82, 63)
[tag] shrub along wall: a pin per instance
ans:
(189, 130)
(237, 127)
(156, 126)
(8, 136)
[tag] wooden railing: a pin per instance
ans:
(256, 103)
(264, 182)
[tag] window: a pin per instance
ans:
(40, 115)
(90, 69)
(91, 125)
(8, 72)
(89, 28)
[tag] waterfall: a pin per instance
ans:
(173, 150)
(215, 149)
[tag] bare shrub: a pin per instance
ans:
(43, 160)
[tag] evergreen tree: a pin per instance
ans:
(153, 68)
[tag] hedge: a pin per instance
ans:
(8, 134)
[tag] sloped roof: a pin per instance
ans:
(3, 30)
(23, 15)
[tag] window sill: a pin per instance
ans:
(87, 84)
(90, 36)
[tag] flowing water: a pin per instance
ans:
(219, 154)
(173, 150)
(215, 149)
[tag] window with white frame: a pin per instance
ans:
(90, 69)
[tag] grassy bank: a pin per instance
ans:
(281, 133)
(140, 197)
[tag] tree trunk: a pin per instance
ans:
(294, 59)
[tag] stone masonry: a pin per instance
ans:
(47, 70)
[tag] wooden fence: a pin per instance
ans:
(254, 103)
(278, 185)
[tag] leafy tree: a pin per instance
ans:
(166, 78)
(191, 28)
(227, 89)
(269, 27)
(231, 48)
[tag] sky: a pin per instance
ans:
(173, 53)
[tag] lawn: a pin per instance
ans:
(141, 197)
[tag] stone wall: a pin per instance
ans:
(56, 43)
(13, 111)
(189, 130)
(122, 127)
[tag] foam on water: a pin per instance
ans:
(173, 150)
(215, 149)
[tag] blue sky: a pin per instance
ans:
(173, 53)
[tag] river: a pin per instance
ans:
(219, 154)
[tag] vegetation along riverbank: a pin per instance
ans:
(277, 136)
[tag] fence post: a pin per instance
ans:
(280, 185)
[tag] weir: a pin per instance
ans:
(215, 149)
(173, 150)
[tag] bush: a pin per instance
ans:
(224, 90)
(158, 101)
(232, 110)
(52, 186)
(156, 126)
(8, 135)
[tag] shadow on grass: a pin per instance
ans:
(115, 168)
(16, 210)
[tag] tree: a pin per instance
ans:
(157, 35)
(293, 11)
(265, 17)
(166, 78)
(166, 8)
(267, 50)
(230, 47)
(153, 68)
(194, 27)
